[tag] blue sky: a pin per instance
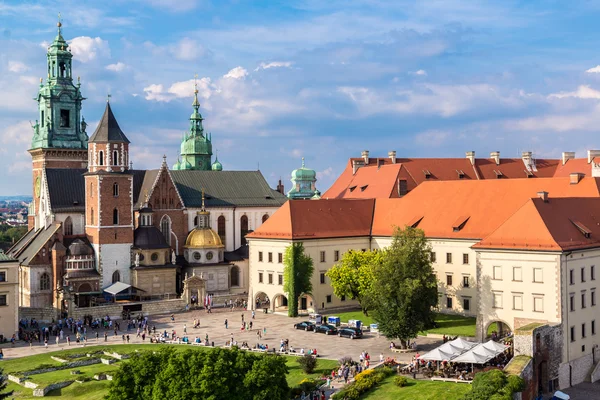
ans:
(281, 80)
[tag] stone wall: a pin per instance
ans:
(526, 372)
(114, 310)
(595, 376)
(40, 314)
(43, 391)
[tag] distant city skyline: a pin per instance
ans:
(322, 80)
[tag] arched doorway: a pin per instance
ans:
(306, 304)
(280, 303)
(261, 300)
(83, 295)
(497, 330)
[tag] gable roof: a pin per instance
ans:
(108, 129)
(28, 252)
(484, 205)
(226, 188)
(580, 165)
(383, 182)
(314, 219)
(66, 188)
(560, 224)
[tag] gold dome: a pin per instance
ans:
(203, 238)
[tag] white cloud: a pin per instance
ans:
(326, 173)
(118, 67)
(582, 92)
(188, 49)
(236, 73)
(17, 67)
(420, 72)
(178, 90)
(31, 80)
(432, 137)
(85, 48)
(594, 70)
(274, 64)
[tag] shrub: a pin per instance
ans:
(494, 385)
(307, 363)
(345, 360)
(363, 382)
(400, 381)
(308, 385)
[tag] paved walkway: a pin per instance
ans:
(277, 327)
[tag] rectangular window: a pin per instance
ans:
(2, 276)
(517, 274)
(466, 304)
(270, 257)
(583, 330)
(582, 300)
(280, 280)
(497, 300)
(572, 334)
(65, 121)
(280, 258)
(572, 302)
(593, 298)
(448, 302)
(497, 273)
(465, 281)
(260, 277)
(593, 327)
(270, 279)
(538, 276)
(538, 303)
(336, 255)
(465, 258)
(517, 302)
(449, 280)
(3, 300)
(582, 274)
(343, 298)
(448, 258)
(329, 298)
(571, 277)
(593, 273)
(260, 257)
(322, 256)
(322, 276)
(433, 256)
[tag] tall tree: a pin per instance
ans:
(297, 273)
(404, 290)
(353, 276)
(3, 383)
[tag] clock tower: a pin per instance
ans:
(59, 133)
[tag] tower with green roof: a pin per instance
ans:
(196, 145)
(303, 184)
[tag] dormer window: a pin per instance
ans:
(498, 174)
(528, 173)
(460, 173)
(585, 231)
(352, 188)
(427, 173)
(363, 188)
(459, 223)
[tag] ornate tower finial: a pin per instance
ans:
(202, 199)
(59, 23)
(196, 103)
(302, 162)
(108, 96)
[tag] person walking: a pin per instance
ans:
(57, 340)
(184, 329)
(253, 314)
(226, 323)
(105, 337)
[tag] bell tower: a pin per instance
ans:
(108, 200)
(59, 133)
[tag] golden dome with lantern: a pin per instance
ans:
(202, 236)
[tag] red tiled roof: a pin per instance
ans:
(580, 165)
(512, 168)
(560, 224)
(315, 219)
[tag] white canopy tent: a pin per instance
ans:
(481, 353)
(449, 350)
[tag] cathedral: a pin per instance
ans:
(98, 227)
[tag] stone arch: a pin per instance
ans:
(243, 229)
(116, 277)
(265, 218)
(306, 303)
(280, 302)
(502, 328)
(261, 300)
(84, 287)
(68, 227)
(235, 276)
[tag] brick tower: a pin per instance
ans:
(59, 137)
(108, 200)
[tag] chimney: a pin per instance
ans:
(567, 155)
(392, 156)
(495, 155)
(543, 195)
(575, 177)
(471, 157)
(527, 157)
(280, 188)
(365, 156)
(592, 154)
(356, 164)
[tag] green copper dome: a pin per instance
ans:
(217, 166)
(304, 173)
(303, 183)
(177, 165)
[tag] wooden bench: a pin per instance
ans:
(450, 380)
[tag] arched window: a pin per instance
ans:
(100, 157)
(221, 228)
(243, 229)
(62, 68)
(92, 216)
(45, 281)
(196, 220)
(115, 159)
(235, 276)
(116, 189)
(115, 217)
(116, 277)
(165, 228)
(68, 227)
(265, 218)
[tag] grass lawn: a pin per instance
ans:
(450, 325)
(418, 390)
(95, 390)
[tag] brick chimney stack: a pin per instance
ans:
(280, 188)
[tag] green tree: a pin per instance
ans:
(3, 383)
(353, 276)
(266, 380)
(297, 273)
(404, 289)
(495, 385)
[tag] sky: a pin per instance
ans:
(324, 80)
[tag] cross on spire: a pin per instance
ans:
(59, 23)
(202, 199)
(108, 96)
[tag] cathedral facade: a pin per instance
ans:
(95, 221)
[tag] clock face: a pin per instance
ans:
(38, 185)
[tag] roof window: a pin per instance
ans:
(363, 188)
(528, 173)
(459, 223)
(461, 173)
(427, 173)
(498, 174)
(413, 223)
(352, 188)
(582, 228)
